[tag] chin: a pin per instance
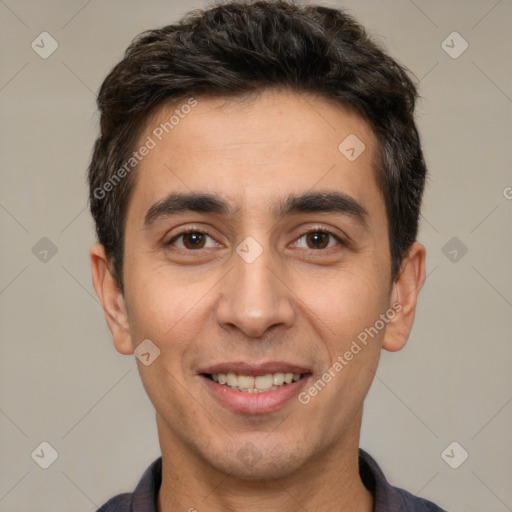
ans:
(253, 461)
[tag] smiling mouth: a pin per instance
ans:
(255, 384)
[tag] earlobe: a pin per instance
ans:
(112, 300)
(405, 298)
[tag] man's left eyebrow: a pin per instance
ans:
(328, 202)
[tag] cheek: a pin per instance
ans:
(349, 316)
(346, 303)
(165, 310)
(171, 315)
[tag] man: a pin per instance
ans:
(256, 189)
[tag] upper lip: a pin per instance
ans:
(254, 369)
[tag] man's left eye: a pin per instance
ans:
(317, 240)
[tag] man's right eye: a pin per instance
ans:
(191, 240)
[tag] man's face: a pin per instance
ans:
(257, 281)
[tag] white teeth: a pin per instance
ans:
(245, 382)
(278, 379)
(263, 381)
(258, 384)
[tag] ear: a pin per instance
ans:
(404, 295)
(112, 300)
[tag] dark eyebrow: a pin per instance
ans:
(182, 202)
(328, 202)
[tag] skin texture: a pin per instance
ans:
(297, 302)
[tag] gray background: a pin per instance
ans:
(61, 381)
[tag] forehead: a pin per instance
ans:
(256, 150)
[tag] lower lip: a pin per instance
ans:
(255, 403)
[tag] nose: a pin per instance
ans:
(254, 297)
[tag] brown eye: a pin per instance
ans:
(317, 240)
(191, 240)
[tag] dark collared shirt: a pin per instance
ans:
(386, 497)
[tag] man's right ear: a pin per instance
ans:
(112, 300)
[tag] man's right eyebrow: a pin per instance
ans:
(176, 203)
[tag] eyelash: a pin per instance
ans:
(202, 232)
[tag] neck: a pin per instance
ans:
(331, 481)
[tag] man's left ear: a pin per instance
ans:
(404, 294)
